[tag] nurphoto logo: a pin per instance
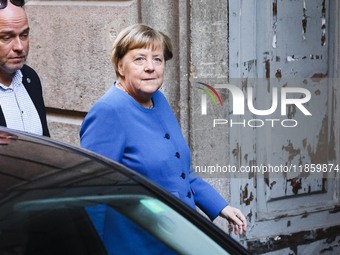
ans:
(212, 93)
(281, 99)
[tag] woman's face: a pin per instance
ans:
(142, 72)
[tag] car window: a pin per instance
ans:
(59, 199)
(134, 224)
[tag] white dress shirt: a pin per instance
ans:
(18, 108)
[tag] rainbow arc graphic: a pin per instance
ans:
(211, 92)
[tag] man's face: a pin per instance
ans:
(14, 43)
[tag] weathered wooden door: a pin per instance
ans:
(283, 55)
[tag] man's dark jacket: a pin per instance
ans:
(32, 84)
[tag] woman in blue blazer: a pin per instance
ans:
(134, 124)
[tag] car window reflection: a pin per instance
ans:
(109, 224)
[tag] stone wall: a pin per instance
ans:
(70, 48)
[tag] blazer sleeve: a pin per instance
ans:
(206, 197)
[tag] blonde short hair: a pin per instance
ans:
(139, 36)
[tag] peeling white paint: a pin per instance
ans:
(274, 41)
(291, 45)
(292, 58)
(277, 238)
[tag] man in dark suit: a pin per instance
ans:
(21, 100)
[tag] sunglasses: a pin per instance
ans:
(3, 3)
